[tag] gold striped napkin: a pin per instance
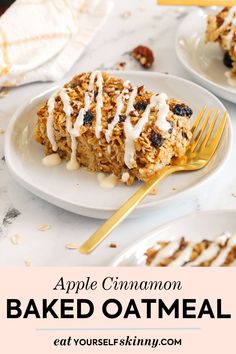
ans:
(40, 40)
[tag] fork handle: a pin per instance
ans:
(105, 229)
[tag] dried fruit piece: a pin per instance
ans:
(227, 60)
(184, 135)
(143, 55)
(183, 111)
(122, 118)
(113, 245)
(140, 106)
(88, 117)
(156, 139)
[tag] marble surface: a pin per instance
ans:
(22, 213)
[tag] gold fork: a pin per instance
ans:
(203, 144)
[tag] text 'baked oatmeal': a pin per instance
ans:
(108, 125)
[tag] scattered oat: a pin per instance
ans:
(44, 227)
(72, 246)
(234, 194)
(113, 245)
(16, 239)
(153, 191)
(120, 66)
(3, 93)
(2, 131)
(126, 14)
(28, 263)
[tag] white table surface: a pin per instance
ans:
(150, 25)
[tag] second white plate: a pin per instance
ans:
(79, 191)
(194, 227)
(203, 61)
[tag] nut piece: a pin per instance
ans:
(144, 55)
(113, 245)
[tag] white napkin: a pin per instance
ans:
(40, 40)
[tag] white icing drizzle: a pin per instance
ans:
(119, 107)
(206, 255)
(49, 127)
(99, 104)
(163, 110)
(183, 257)
(67, 108)
(125, 177)
(105, 181)
(222, 256)
(130, 105)
(133, 132)
(166, 252)
(51, 160)
(80, 117)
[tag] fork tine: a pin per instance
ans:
(210, 129)
(201, 131)
(198, 119)
(217, 136)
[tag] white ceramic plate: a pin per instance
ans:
(203, 61)
(79, 191)
(194, 227)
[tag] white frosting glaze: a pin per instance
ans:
(163, 110)
(51, 160)
(206, 255)
(119, 107)
(105, 181)
(166, 252)
(80, 117)
(130, 105)
(99, 104)
(67, 108)
(133, 132)
(222, 256)
(49, 127)
(125, 177)
(183, 257)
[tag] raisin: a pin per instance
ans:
(88, 117)
(183, 111)
(122, 118)
(156, 139)
(227, 60)
(184, 135)
(140, 106)
(110, 119)
(170, 131)
(73, 85)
